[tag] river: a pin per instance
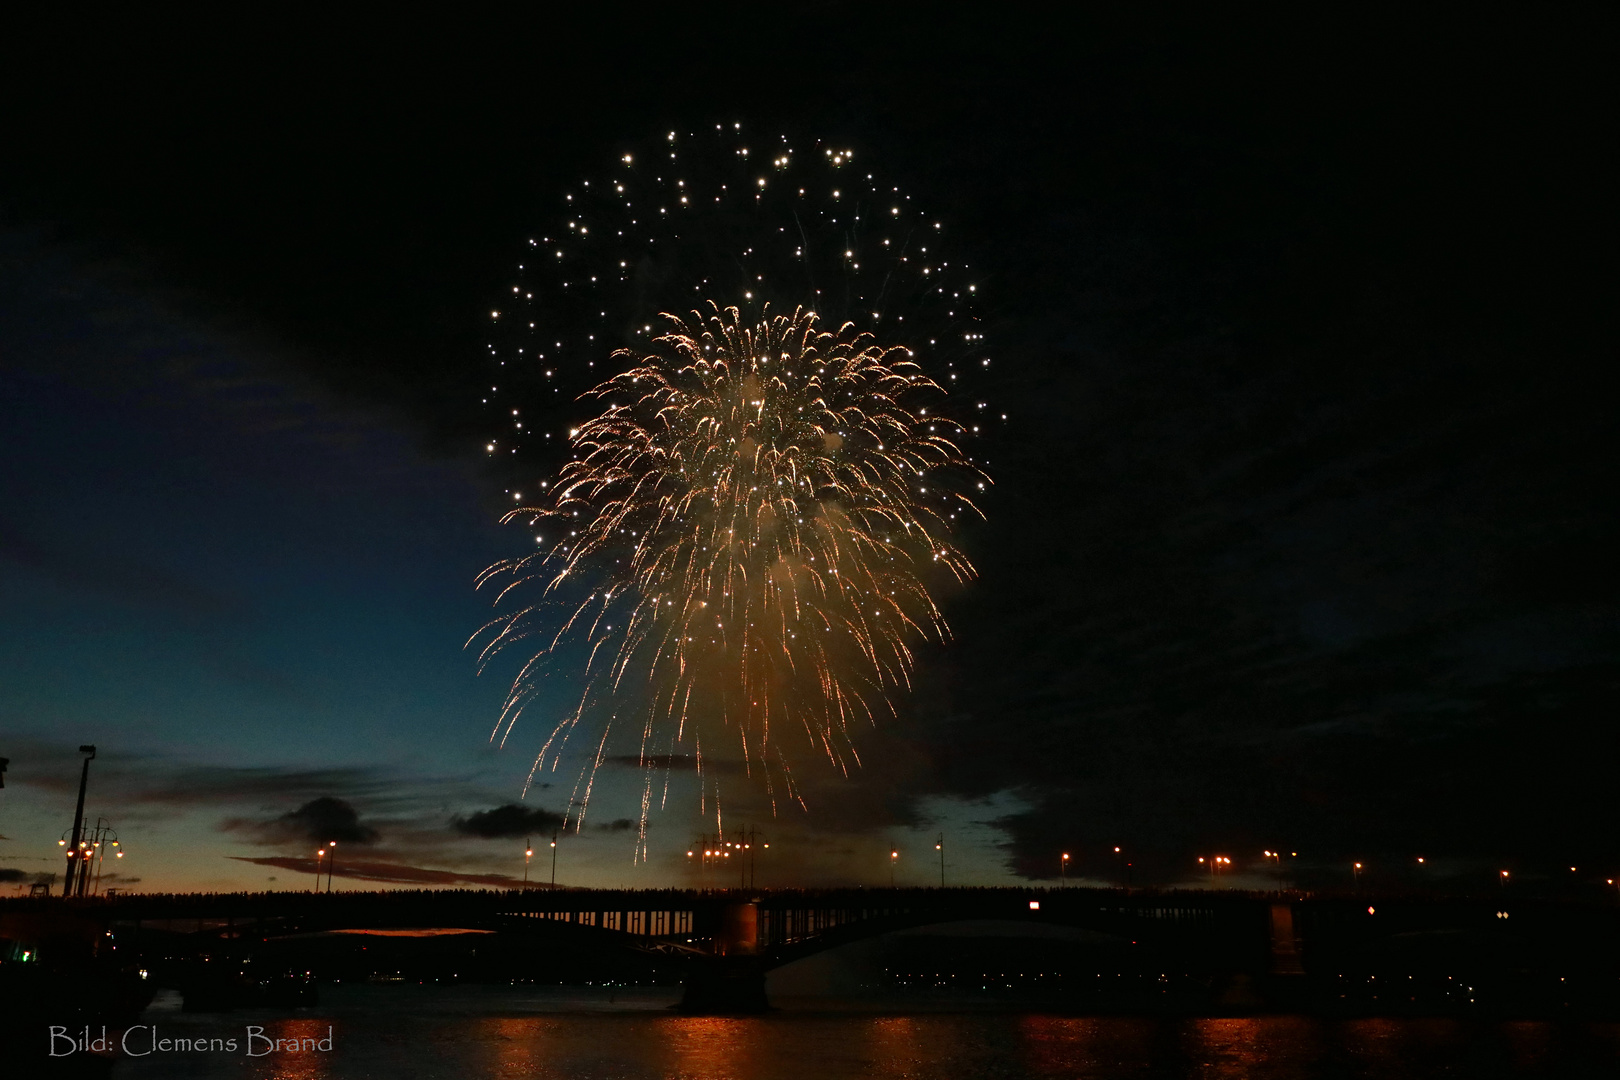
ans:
(410, 1032)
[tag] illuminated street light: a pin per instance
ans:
(1122, 865)
(1063, 871)
(893, 856)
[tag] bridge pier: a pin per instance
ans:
(724, 984)
(732, 978)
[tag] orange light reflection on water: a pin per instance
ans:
(1064, 1045)
(299, 1064)
(1248, 1047)
(512, 1046)
(724, 1048)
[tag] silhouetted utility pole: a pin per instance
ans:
(75, 856)
(747, 846)
(753, 856)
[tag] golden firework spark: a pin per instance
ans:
(758, 510)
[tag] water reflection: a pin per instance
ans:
(1529, 1044)
(1230, 1047)
(509, 1046)
(1060, 1046)
(384, 1034)
(303, 1048)
(725, 1048)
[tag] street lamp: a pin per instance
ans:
(1355, 873)
(554, 860)
(1063, 871)
(528, 853)
(319, 855)
(893, 855)
(940, 847)
(331, 863)
(1119, 857)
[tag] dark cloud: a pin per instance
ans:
(671, 762)
(328, 818)
(1302, 530)
(112, 574)
(11, 875)
(623, 824)
(321, 820)
(674, 763)
(391, 873)
(159, 781)
(509, 821)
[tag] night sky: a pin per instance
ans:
(1304, 530)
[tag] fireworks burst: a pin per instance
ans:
(740, 548)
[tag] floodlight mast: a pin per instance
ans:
(74, 854)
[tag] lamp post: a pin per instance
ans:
(749, 846)
(1122, 865)
(528, 853)
(320, 857)
(553, 860)
(940, 847)
(331, 863)
(101, 839)
(1063, 871)
(1355, 873)
(893, 855)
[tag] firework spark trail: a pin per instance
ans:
(758, 496)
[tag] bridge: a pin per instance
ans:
(723, 942)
